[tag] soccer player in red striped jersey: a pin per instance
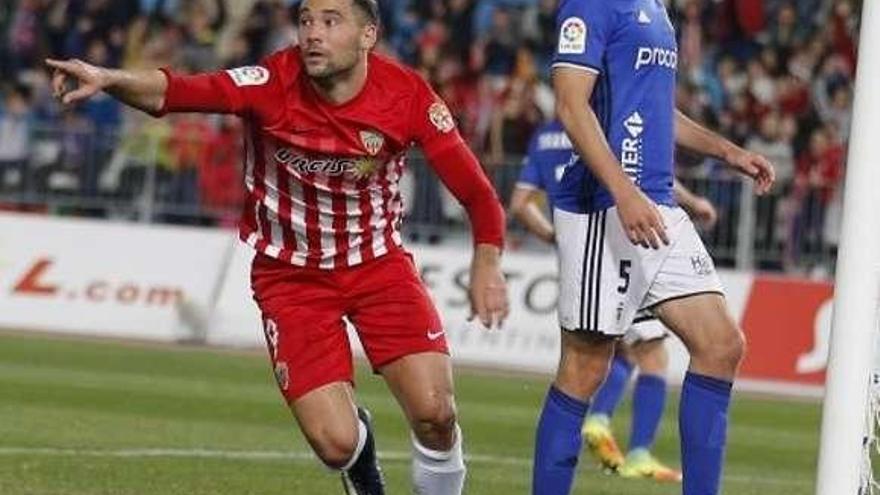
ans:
(328, 125)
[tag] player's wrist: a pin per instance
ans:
(109, 78)
(486, 253)
(621, 190)
(729, 152)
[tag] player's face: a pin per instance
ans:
(334, 37)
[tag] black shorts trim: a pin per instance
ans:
(681, 296)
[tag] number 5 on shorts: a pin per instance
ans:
(625, 265)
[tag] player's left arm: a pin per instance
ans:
(698, 207)
(459, 170)
(525, 194)
(523, 207)
(695, 137)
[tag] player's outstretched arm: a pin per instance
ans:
(74, 81)
(524, 209)
(640, 217)
(695, 137)
(698, 207)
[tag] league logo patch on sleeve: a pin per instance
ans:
(573, 36)
(253, 75)
(439, 115)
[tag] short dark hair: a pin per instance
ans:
(370, 8)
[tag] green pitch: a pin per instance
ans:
(84, 417)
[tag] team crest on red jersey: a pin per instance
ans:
(440, 117)
(372, 141)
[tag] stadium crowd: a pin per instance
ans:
(775, 75)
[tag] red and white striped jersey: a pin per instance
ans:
(322, 179)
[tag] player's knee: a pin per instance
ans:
(439, 417)
(654, 361)
(729, 349)
(433, 422)
(584, 363)
(335, 449)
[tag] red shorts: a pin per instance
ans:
(303, 308)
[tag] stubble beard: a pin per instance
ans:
(331, 72)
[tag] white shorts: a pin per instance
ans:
(604, 279)
(645, 328)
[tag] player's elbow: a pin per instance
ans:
(568, 108)
(519, 200)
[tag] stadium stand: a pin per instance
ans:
(775, 75)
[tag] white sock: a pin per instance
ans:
(437, 472)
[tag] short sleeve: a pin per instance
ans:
(530, 174)
(583, 28)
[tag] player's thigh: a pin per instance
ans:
(705, 325)
(302, 322)
(392, 312)
(422, 384)
(686, 270)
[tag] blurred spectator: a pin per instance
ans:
(518, 114)
(103, 110)
(817, 179)
(773, 144)
(495, 51)
(775, 75)
(219, 172)
(23, 35)
(16, 121)
(6, 69)
(191, 134)
(691, 39)
(201, 30)
(73, 171)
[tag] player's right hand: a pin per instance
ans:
(90, 80)
(641, 219)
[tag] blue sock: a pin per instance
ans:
(557, 443)
(608, 396)
(702, 422)
(649, 399)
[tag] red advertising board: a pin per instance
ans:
(787, 326)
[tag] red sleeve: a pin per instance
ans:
(225, 91)
(432, 125)
(460, 171)
(434, 130)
